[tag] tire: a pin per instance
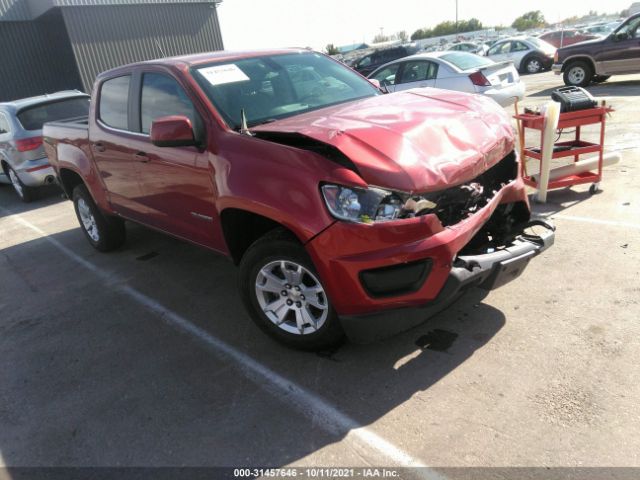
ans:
(105, 233)
(532, 65)
(578, 74)
(297, 322)
(26, 194)
(601, 78)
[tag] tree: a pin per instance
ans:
(379, 38)
(533, 19)
(448, 28)
(331, 49)
(402, 36)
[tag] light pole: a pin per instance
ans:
(456, 16)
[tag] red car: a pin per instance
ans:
(348, 210)
(562, 38)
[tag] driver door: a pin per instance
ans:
(621, 55)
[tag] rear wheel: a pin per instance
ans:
(105, 233)
(578, 74)
(25, 193)
(533, 65)
(284, 295)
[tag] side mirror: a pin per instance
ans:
(376, 83)
(172, 131)
(617, 37)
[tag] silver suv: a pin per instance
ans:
(24, 163)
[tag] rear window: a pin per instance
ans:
(466, 61)
(114, 102)
(32, 118)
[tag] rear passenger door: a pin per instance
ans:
(176, 183)
(417, 74)
(110, 142)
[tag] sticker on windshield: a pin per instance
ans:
(221, 74)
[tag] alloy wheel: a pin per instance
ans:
(577, 75)
(533, 66)
(15, 181)
(88, 220)
(291, 297)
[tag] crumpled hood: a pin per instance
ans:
(418, 140)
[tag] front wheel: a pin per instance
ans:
(533, 65)
(104, 233)
(578, 74)
(284, 295)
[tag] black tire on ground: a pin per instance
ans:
(578, 74)
(601, 78)
(278, 245)
(26, 194)
(107, 232)
(532, 65)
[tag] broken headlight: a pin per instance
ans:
(369, 205)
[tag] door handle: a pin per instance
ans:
(141, 157)
(99, 147)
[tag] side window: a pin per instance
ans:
(4, 125)
(387, 76)
(114, 102)
(418, 71)
(365, 62)
(518, 47)
(500, 48)
(163, 96)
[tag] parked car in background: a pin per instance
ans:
(563, 38)
(528, 54)
(370, 62)
(601, 29)
(597, 60)
(22, 155)
(347, 210)
(460, 71)
(468, 47)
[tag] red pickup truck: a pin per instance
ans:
(349, 211)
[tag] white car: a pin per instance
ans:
(528, 54)
(460, 71)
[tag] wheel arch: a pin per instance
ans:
(241, 228)
(579, 58)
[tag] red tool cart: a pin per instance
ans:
(571, 148)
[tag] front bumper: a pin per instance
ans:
(488, 271)
(557, 68)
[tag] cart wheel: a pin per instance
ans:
(593, 189)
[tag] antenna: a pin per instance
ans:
(160, 48)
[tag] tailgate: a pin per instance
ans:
(501, 74)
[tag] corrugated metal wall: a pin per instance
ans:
(36, 58)
(13, 10)
(104, 37)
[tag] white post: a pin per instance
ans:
(551, 117)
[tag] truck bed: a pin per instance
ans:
(69, 134)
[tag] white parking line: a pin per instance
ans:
(635, 226)
(308, 403)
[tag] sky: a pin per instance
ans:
(250, 24)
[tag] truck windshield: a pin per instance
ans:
(271, 87)
(32, 118)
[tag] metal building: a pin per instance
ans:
(50, 45)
